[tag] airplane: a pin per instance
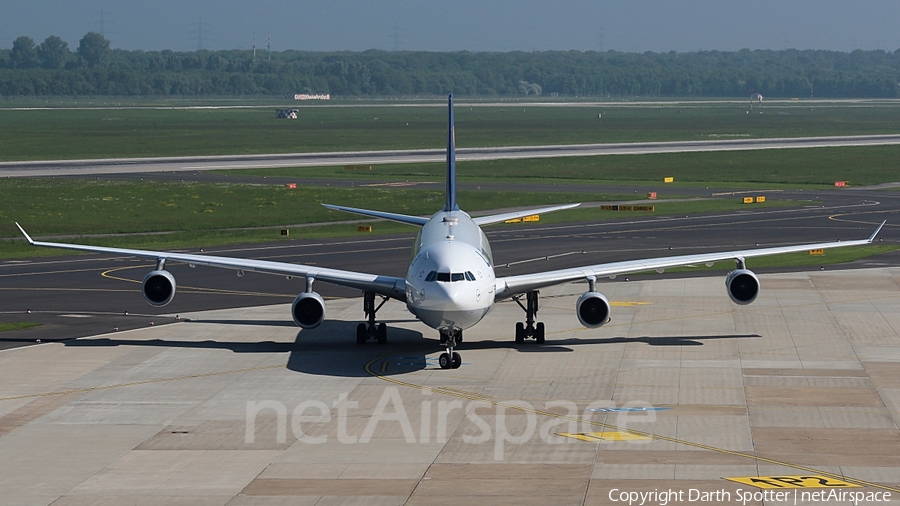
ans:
(451, 284)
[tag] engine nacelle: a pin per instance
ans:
(742, 286)
(158, 288)
(592, 309)
(308, 310)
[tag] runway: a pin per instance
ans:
(200, 163)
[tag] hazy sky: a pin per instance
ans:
(473, 25)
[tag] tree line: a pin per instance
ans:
(93, 68)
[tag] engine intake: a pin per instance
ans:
(742, 286)
(592, 309)
(308, 310)
(158, 288)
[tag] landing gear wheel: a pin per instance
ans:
(371, 329)
(457, 360)
(361, 334)
(445, 361)
(529, 328)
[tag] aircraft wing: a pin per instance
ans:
(513, 285)
(386, 285)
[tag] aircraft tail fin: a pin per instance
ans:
(450, 204)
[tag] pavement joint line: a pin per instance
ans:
(136, 383)
(480, 398)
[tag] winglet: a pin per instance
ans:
(872, 237)
(28, 237)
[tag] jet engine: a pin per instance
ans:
(158, 288)
(742, 286)
(308, 310)
(592, 309)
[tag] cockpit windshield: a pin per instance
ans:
(448, 277)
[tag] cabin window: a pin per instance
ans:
(431, 276)
(470, 276)
(457, 276)
(443, 276)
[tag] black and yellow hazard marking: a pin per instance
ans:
(592, 437)
(772, 482)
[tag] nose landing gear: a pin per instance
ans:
(529, 330)
(450, 359)
(371, 330)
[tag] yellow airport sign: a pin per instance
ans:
(533, 217)
(774, 482)
(816, 252)
(761, 198)
(748, 200)
(627, 208)
(592, 437)
(364, 228)
(669, 180)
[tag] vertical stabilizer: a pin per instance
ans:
(450, 204)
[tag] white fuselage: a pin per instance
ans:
(450, 282)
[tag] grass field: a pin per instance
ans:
(777, 168)
(130, 132)
(18, 326)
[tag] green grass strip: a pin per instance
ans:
(18, 326)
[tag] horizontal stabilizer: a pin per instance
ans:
(498, 218)
(402, 218)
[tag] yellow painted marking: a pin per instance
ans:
(487, 400)
(629, 304)
(592, 437)
(816, 252)
(384, 366)
(770, 482)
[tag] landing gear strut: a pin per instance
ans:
(371, 330)
(529, 330)
(450, 359)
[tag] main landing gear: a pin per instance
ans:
(450, 359)
(529, 330)
(371, 330)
